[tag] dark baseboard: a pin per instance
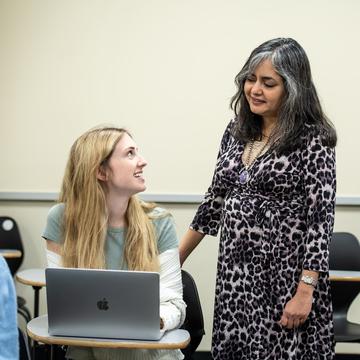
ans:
(205, 355)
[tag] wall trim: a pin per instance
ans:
(52, 196)
(159, 198)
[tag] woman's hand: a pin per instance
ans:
(297, 310)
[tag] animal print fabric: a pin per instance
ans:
(277, 224)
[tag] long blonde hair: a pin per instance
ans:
(85, 219)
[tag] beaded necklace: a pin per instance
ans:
(245, 174)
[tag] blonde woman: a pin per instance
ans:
(100, 223)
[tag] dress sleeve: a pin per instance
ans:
(208, 215)
(320, 188)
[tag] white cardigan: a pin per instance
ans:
(172, 312)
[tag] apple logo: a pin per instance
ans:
(103, 304)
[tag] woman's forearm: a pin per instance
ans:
(188, 243)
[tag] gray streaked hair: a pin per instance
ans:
(300, 104)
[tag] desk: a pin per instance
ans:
(10, 253)
(35, 278)
(345, 287)
(344, 275)
(37, 329)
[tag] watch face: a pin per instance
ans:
(308, 280)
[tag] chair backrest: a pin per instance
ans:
(344, 252)
(194, 321)
(344, 255)
(24, 350)
(10, 239)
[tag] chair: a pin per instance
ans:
(194, 321)
(24, 352)
(344, 255)
(10, 239)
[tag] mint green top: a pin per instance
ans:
(114, 243)
(114, 246)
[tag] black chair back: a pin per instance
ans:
(10, 239)
(344, 252)
(24, 350)
(344, 255)
(194, 321)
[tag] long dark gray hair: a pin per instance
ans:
(300, 104)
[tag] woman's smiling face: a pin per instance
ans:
(264, 90)
(124, 170)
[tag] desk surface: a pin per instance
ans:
(344, 275)
(10, 253)
(36, 277)
(38, 330)
(33, 277)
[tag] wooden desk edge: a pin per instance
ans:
(344, 278)
(11, 254)
(29, 282)
(107, 344)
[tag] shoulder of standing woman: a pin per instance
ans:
(325, 136)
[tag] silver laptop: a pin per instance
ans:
(103, 303)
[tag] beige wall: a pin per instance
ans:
(165, 70)
(162, 68)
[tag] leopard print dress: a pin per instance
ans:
(274, 226)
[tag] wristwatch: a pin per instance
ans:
(309, 280)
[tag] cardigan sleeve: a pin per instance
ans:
(172, 306)
(53, 259)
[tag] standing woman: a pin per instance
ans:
(273, 195)
(101, 224)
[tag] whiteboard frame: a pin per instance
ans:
(341, 200)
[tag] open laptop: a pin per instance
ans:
(113, 304)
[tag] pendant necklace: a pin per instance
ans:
(245, 174)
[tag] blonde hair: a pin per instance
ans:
(85, 219)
